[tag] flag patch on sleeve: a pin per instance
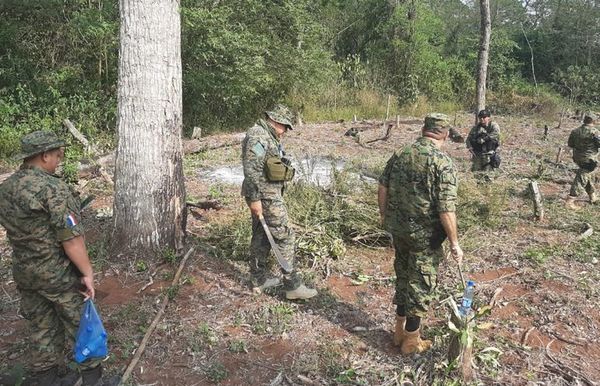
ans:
(71, 221)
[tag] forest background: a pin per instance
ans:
(328, 59)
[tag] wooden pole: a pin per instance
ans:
(538, 208)
(142, 346)
(559, 155)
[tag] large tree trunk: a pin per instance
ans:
(484, 50)
(149, 211)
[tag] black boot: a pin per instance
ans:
(44, 378)
(92, 377)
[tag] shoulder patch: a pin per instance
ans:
(258, 149)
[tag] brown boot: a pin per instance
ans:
(570, 203)
(399, 331)
(412, 343)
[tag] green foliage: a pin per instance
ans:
(272, 319)
(232, 236)
(539, 254)
(236, 67)
(169, 256)
(141, 266)
(328, 59)
(216, 372)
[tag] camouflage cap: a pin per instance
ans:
(484, 113)
(436, 122)
(39, 142)
(281, 114)
(590, 115)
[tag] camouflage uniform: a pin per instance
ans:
(261, 143)
(585, 141)
(421, 182)
(483, 141)
(39, 211)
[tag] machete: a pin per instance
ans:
(285, 265)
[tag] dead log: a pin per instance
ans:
(205, 205)
(5, 176)
(80, 137)
(538, 208)
(210, 143)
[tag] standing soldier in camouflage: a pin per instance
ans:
(51, 267)
(266, 171)
(483, 141)
(417, 203)
(585, 141)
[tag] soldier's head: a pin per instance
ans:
(280, 117)
(43, 149)
(436, 126)
(589, 118)
(484, 117)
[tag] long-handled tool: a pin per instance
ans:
(460, 272)
(285, 265)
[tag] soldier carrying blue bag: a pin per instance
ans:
(51, 267)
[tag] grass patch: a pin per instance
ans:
(481, 204)
(272, 319)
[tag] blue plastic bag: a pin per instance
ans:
(91, 338)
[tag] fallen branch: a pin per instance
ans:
(569, 373)
(385, 136)
(80, 137)
(209, 204)
(526, 335)
(139, 351)
(497, 293)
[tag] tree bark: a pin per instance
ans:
(149, 205)
(484, 50)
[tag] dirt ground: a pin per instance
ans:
(541, 278)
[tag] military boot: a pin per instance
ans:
(47, 377)
(593, 198)
(93, 377)
(269, 282)
(570, 203)
(302, 292)
(412, 343)
(399, 331)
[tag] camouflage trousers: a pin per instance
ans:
(584, 182)
(481, 163)
(416, 278)
(54, 319)
(261, 263)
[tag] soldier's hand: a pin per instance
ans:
(457, 253)
(89, 292)
(256, 208)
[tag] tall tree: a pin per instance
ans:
(484, 50)
(149, 206)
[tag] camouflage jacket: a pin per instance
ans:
(484, 139)
(39, 211)
(585, 141)
(421, 182)
(260, 144)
